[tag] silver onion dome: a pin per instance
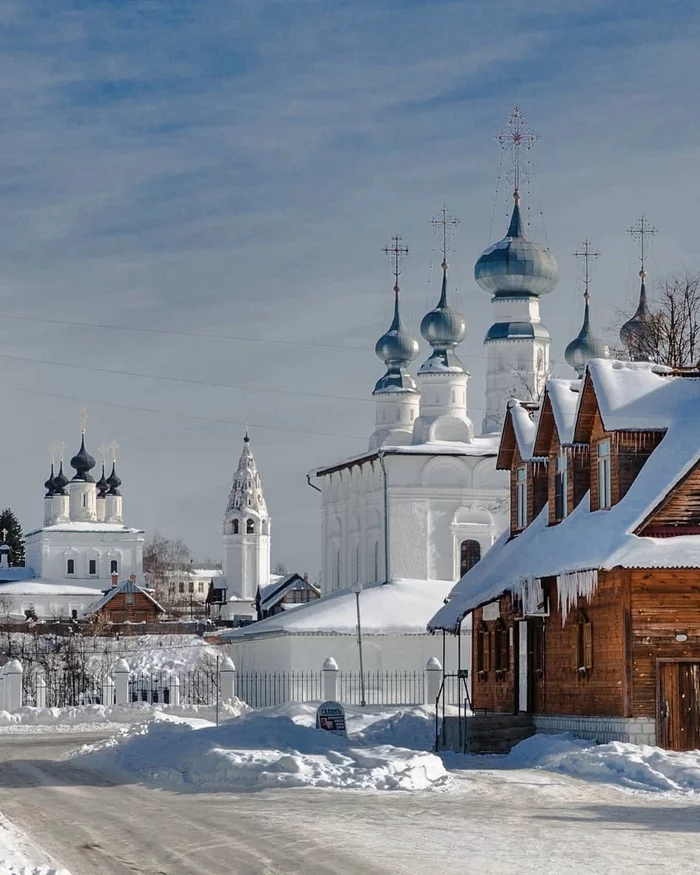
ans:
(635, 333)
(443, 328)
(585, 346)
(516, 266)
(396, 348)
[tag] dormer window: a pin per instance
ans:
(604, 480)
(561, 487)
(521, 497)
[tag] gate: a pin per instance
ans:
(678, 705)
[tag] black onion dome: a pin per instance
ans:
(48, 485)
(60, 481)
(114, 481)
(83, 463)
(102, 484)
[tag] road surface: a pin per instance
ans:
(491, 822)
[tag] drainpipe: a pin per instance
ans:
(312, 485)
(387, 568)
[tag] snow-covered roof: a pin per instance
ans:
(524, 427)
(206, 572)
(41, 586)
(564, 397)
(126, 586)
(87, 527)
(274, 592)
(16, 573)
(485, 445)
(401, 607)
(603, 539)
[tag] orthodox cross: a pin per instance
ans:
(448, 224)
(641, 229)
(516, 135)
(113, 447)
(584, 255)
(103, 453)
(83, 420)
(246, 423)
(60, 449)
(4, 534)
(396, 253)
(53, 451)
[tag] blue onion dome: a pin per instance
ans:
(60, 481)
(114, 481)
(48, 485)
(396, 348)
(634, 334)
(102, 484)
(83, 463)
(516, 266)
(585, 346)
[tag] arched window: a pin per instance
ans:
(70, 566)
(469, 555)
(250, 527)
(74, 614)
(113, 566)
(501, 646)
(483, 655)
(234, 527)
(582, 647)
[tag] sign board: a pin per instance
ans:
(331, 717)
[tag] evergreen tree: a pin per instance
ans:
(14, 537)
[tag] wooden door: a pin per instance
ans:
(678, 707)
(536, 664)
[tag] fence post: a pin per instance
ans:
(329, 680)
(13, 685)
(108, 691)
(121, 682)
(227, 680)
(40, 683)
(2, 689)
(433, 679)
(174, 689)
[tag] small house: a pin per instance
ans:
(586, 613)
(126, 602)
(286, 592)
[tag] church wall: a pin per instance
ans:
(48, 551)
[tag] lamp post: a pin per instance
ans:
(357, 589)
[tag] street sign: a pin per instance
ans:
(331, 717)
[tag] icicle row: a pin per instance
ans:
(570, 587)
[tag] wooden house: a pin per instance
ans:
(285, 593)
(586, 614)
(126, 602)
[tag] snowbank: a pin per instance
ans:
(19, 856)
(629, 765)
(93, 716)
(262, 750)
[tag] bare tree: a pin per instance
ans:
(165, 562)
(669, 332)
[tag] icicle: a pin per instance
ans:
(570, 587)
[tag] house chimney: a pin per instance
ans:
(115, 580)
(306, 577)
(132, 578)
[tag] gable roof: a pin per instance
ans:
(273, 593)
(518, 432)
(634, 397)
(126, 586)
(558, 410)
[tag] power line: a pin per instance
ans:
(124, 373)
(182, 415)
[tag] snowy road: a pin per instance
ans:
(491, 822)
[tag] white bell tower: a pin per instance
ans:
(246, 531)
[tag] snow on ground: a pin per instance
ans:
(19, 856)
(638, 767)
(96, 717)
(276, 747)
(151, 653)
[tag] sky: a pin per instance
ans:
(194, 195)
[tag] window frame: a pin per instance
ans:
(469, 555)
(501, 648)
(92, 567)
(70, 567)
(561, 486)
(483, 651)
(604, 470)
(521, 497)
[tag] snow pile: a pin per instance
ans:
(629, 765)
(99, 715)
(258, 751)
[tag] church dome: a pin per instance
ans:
(48, 485)
(82, 462)
(516, 266)
(114, 481)
(60, 481)
(396, 348)
(585, 346)
(634, 334)
(102, 484)
(443, 327)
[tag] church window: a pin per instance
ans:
(604, 484)
(74, 614)
(70, 566)
(92, 566)
(200, 587)
(84, 500)
(234, 527)
(181, 587)
(336, 568)
(376, 560)
(250, 527)
(113, 566)
(560, 487)
(190, 586)
(469, 555)
(501, 647)
(521, 497)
